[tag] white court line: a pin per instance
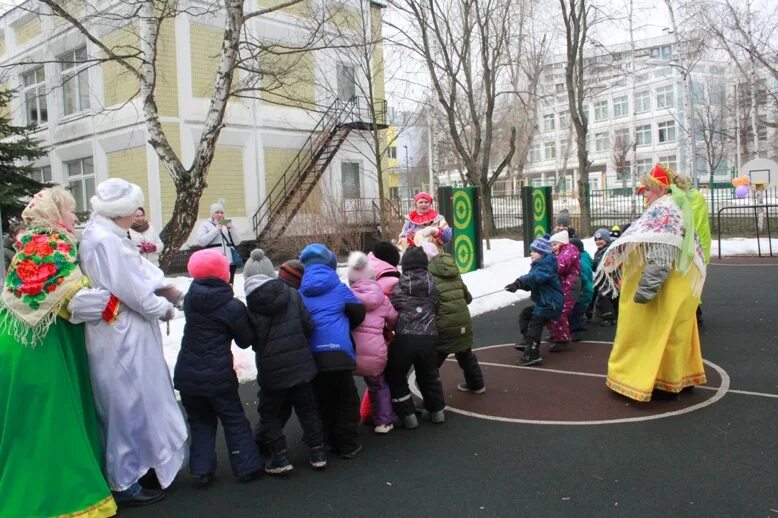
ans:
(720, 392)
(741, 265)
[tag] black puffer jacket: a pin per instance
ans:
(281, 326)
(416, 304)
(214, 317)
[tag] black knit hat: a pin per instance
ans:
(414, 259)
(387, 252)
(577, 243)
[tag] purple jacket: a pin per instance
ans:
(369, 336)
(568, 267)
(385, 274)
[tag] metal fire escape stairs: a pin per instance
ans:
(292, 189)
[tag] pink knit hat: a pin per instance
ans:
(209, 263)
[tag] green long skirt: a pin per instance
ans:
(50, 449)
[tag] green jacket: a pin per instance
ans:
(701, 222)
(455, 326)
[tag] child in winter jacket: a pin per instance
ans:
(606, 305)
(335, 311)
(455, 326)
(204, 371)
(415, 341)
(577, 318)
(285, 366)
(383, 261)
(546, 292)
(569, 270)
(370, 340)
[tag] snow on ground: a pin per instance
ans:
(502, 265)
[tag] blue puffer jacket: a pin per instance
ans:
(335, 311)
(543, 281)
(214, 318)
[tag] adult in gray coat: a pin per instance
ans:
(218, 232)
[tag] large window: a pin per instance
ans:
(534, 153)
(563, 148)
(669, 161)
(643, 135)
(549, 150)
(391, 152)
(548, 122)
(75, 81)
(666, 131)
(621, 106)
(41, 174)
(349, 172)
(564, 120)
(81, 181)
(601, 141)
(644, 165)
(642, 102)
(34, 85)
(601, 110)
(347, 86)
(621, 136)
(664, 97)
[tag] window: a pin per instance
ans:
(644, 165)
(347, 87)
(391, 152)
(349, 172)
(666, 131)
(620, 106)
(550, 150)
(81, 181)
(41, 174)
(601, 141)
(564, 120)
(534, 153)
(75, 81)
(34, 84)
(601, 110)
(559, 88)
(563, 148)
(394, 193)
(643, 135)
(664, 97)
(625, 172)
(642, 102)
(666, 51)
(548, 122)
(621, 136)
(669, 161)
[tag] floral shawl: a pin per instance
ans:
(43, 275)
(661, 234)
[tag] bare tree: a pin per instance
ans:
(575, 14)
(711, 121)
(463, 44)
(620, 154)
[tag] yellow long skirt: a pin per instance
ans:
(657, 344)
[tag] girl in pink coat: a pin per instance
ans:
(383, 260)
(569, 269)
(371, 345)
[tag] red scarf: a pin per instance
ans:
(423, 219)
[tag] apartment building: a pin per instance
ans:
(90, 118)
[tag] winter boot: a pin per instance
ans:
(523, 344)
(438, 417)
(318, 457)
(559, 347)
(278, 464)
(410, 422)
(531, 355)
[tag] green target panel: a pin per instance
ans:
(460, 207)
(538, 213)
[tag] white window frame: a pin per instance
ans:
(620, 106)
(564, 120)
(643, 135)
(665, 97)
(36, 91)
(622, 133)
(549, 151)
(601, 141)
(80, 175)
(665, 132)
(601, 110)
(349, 195)
(534, 153)
(549, 121)
(643, 102)
(670, 161)
(643, 166)
(74, 69)
(42, 174)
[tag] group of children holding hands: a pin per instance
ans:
(311, 334)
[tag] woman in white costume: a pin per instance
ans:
(142, 424)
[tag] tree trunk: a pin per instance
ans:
(487, 215)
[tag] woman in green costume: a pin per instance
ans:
(50, 449)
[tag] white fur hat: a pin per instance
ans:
(215, 207)
(116, 198)
(561, 237)
(359, 267)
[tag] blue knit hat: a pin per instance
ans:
(541, 245)
(603, 233)
(317, 253)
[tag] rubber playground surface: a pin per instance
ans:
(553, 440)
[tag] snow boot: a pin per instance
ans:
(531, 355)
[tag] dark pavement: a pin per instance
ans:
(719, 460)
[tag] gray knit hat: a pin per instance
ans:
(258, 264)
(563, 218)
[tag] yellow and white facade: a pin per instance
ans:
(90, 118)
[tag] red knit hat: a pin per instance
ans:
(422, 196)
(659, 175)
(209, 263)
(292, 272)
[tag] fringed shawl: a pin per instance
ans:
(661, 233)
(43, 275)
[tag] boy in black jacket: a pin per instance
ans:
(204, 371)
(285, 364)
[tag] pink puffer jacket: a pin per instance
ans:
(385, 274)
(369, 336)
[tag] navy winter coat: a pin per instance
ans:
(335, 311)
(281, 327)
(546, 290)
(214, 318)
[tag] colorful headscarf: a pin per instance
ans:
(43, 275)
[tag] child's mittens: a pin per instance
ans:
(514, 286)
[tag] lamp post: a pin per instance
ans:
(407, 175)
(689, 107)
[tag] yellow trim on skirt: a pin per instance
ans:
(657, 344)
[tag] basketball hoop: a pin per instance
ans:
(759, 186)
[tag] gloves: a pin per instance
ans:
(513, 287)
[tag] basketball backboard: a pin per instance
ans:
(761, 171)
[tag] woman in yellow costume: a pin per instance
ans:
(659, 268)
(50, 452)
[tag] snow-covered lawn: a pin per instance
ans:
(502, 265)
